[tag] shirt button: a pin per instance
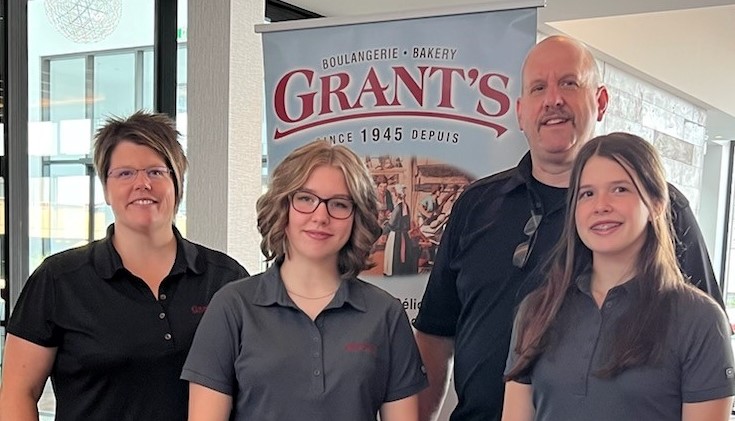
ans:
(317, 372)
(316, 355)
(162, 296)
(608, 304)
(315, 338)
(167, 336)
(162, 315)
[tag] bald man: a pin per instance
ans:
(503, 226)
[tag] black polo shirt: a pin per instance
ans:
(474, 288)
(257, 346)
(119, 349)
(697, 364)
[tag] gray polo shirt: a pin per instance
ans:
(697, 365)
(254, 344)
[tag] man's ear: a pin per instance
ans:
(602, 100)
(518, 113)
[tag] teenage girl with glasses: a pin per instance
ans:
(307, 339)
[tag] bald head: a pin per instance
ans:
(561, 44)
(561, 100)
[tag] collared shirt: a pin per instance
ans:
(473, 289)
(119, 348)
(256, 345)
(696, 366)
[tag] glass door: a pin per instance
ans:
(65, 211)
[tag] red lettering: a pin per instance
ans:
(307, 99)
(446, 84)
(414, 88)
(372, 85)
(360, 347)
(295, 96)
(195, 309)
(343, 80)
(489, 92)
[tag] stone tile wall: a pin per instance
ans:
(675, 126)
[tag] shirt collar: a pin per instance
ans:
(107, 261)
(584, 280)
(520, 177)
(271, 291)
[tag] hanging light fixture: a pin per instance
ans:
(84, 21)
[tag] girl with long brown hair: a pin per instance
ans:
(615, 332)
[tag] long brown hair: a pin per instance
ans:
(291, 174)
(639, 335)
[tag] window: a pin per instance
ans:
(79, 73)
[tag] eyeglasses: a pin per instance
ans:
(337, 207)
(523, 250)
(129, 174)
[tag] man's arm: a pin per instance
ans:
(436, 353)
(691, 250)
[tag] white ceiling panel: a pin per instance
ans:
(684, 45)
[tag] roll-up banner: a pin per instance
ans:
(426, 99)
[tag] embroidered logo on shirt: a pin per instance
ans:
(729, 373)
(361, 347)
(198, 309)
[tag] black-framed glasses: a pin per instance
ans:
(129, 174)
(523, 250)
(337, 207)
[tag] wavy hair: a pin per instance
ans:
(291, 174)
(639, 336)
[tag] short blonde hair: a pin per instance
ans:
(291, 174)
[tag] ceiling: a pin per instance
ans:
(686, 46)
